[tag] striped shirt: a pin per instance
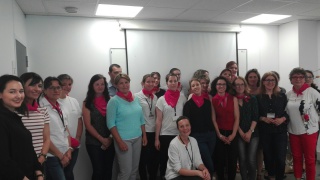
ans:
(35, 124)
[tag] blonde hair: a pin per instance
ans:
(246, 87)
(263, 88)
(119, 76)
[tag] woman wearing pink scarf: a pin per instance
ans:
(303, 127)
(99, 142)
(169, 107)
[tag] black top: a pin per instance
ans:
(17, 155)
(200, 118)
(99, 123)
(160, 93)
(275, 104)
(248, 113)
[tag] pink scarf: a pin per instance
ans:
(222, 99)
(148, 93)
(172, 97)
(33, 107)
(127, 97)
(101, 104)
(199, 100)
(205, 95)
(303, 87)
(244, 97)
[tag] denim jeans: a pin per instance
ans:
(206, 142)
(149, 159)
(54, 169)
(68, 171)
(248, 158)
(275, 149)
(102, 161)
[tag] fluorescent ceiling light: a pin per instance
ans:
(117, 10)
(265, 18)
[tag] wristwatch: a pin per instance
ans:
(44, 155)
(252, 130)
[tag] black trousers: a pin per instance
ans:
(164, 146)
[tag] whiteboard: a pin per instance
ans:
(118, 56)
(189, 51)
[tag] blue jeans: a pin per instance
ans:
(54, 169)
(68, 171)
(248, 158)
(206, 142)
(275, 149)
(101, 161)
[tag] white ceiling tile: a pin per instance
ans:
(198, 15)
(84, 1)
(315, 12)
(58, 8)
(219, 4)
(31, 6)
(295, 8)
(309, 1)
(233, 17)
(260, 6)
(183, 4)
(125, 2)
(158, 13)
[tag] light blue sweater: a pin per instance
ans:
(126, 116)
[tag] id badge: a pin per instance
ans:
(271, 115)
(174, 118)
(151, 116)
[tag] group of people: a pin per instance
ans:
(234, 120)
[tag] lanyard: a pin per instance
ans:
(150, 105)
(191, 159)
(58, 109)
(175, 112)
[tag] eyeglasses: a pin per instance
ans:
(239, 85)
(309, 77)
(297, 77)
(221, 84)
(270, 80)
(53, 88)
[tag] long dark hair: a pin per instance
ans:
(35, 79)
(4, 80)
(91, 93)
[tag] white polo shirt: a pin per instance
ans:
(58, 133)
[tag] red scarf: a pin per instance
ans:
(55, 106)
(205, 95)
(155, 89)
(299, 92)
(128, 97)
(148, 93)
(172, 97)
(222, 99)
(199, 100)
(243, 97)
(101, 105)
(33, 107)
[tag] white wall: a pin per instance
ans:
(262, 45)
(288, 51)
(12, 26)
(77, 46)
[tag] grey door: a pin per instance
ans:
(22, 60)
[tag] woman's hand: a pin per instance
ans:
(206, 174)
(231, 137)
(106, 142)
(157, 144)
(41, 159)
(247, 136)
(144, 141)
(267, 120)
(224, 139)
(122, 146)
(278, 121)
(64, 161)
(25, 178)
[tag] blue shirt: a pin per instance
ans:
(112, 90)
(126, 116)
